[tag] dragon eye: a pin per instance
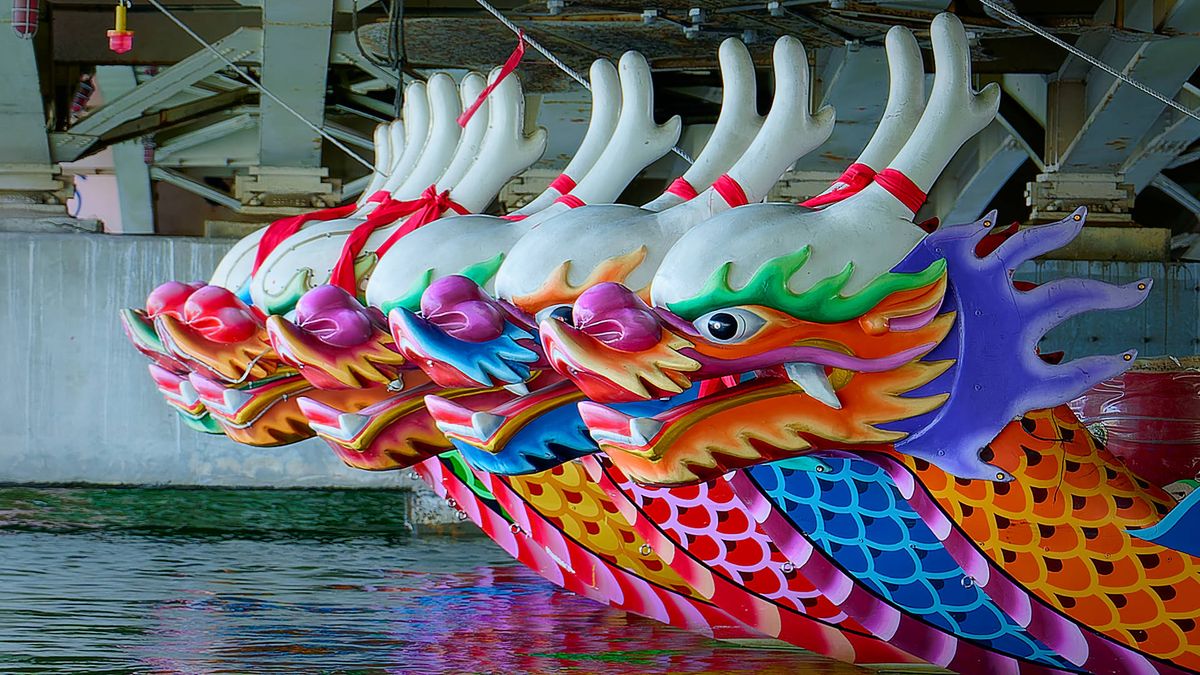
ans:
(561, 312)
(729, 325)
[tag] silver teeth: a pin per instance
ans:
(484, 424)
(812, 379)
(188, 394)
(520, 388)
(642, 429)
(349, 426)
(397, 384)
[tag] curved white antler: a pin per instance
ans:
(637, 140)
(444, 133)
(737, 124)
(606, 106)
(954, 113)
(790, 131)
(472, 135)
(506, 149)
(383, 158)
(415, 113)
(906, 99)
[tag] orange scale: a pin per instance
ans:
(1142, 608)
(1097, 611)
(1076, 576)
(1018, 534)
(1118, 571)
(1027, 569)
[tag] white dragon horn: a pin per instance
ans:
(606, 106)
(506, 149)
(444, 133)
(415, 128)
(790, 131)
(953, 115)
(906, 99)
(382, 142)
(637, 140)
(737, 124)
(472, 135)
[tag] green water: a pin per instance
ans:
(301, 581)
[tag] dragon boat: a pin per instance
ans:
(823, 425)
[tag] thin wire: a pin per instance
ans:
(571, 72)
(266, 92)
(1020, 21)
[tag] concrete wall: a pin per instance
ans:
(76, 403)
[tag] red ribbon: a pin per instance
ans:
(563, 184)
(730, 191)
(570, 200)
(509, 66)
(422, 211)
(902, 188)
(283, 228)
(515, 216)
(680, 187)
(853, 180)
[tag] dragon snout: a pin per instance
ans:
(220, 316)
(458, 306)
(617, 317)
(335, 317)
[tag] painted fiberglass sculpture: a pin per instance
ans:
(942, 459)
(819, 424)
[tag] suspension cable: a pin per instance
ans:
(1009, 14)
(571, 72)
(266, 92)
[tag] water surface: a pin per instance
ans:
(233, 581)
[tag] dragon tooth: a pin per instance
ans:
(484, 424)
(234, 399)
(188, 393)
(520, 388)
(642, 429)
(812, 379)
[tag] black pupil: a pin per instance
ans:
(563, 314)
(722, 326)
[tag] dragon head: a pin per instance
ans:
(931, 355)
(335, 342)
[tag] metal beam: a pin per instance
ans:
(205, 134)
(975, 175)
(295, 44)
(1172, 133)
(345, 50)
(1177, 192)
(240, 45)
(134, 192)
(187, 183)
(21, 111)
(855, 83)
(1117, 116)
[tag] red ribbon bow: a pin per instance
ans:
(730, 191)
(421, 211)
(680, 187)
(283, 228)
(509, 66)
(853, 180)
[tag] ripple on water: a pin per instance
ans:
(236, 581)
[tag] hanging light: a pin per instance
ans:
(25, 18)
(120, 40)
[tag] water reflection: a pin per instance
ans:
(92, 582)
